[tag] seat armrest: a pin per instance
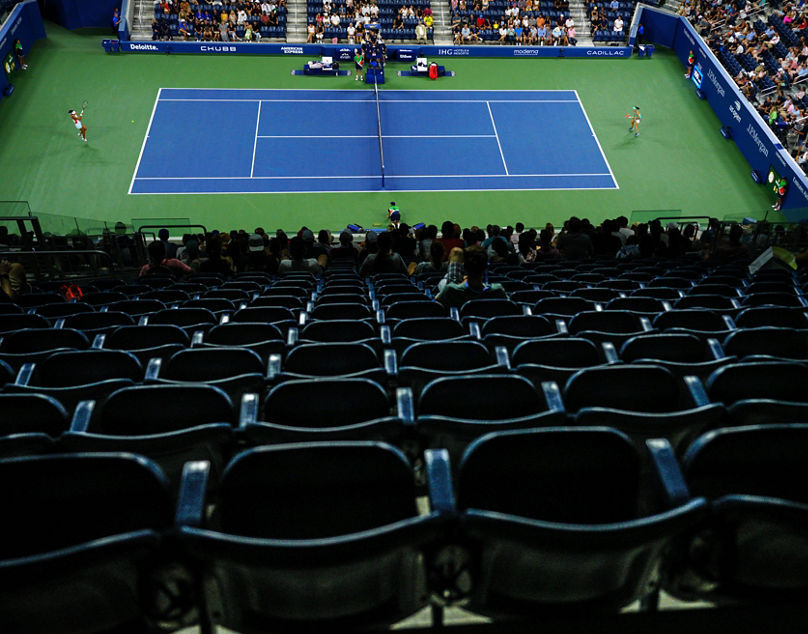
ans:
(474, 331)
(501, 355)
(273, 366)
(390, 363)
(696, 390)
(292, 336)
(248, 411)
(60, 323)
(197, 339)
(385, 335)
(439, 481)
(98, 342)
(454, 313)
(667, 472)
(609, 352)
(153, 369)
(552, 394)
(80, 422)
(25, 374)
(715, 349)
(193, 487)
(405, 405)
(561, 327)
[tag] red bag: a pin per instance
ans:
(71, 291)
(433, 71)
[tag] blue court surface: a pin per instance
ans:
(203, 141)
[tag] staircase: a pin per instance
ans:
(296, 21)
(582, 26)
(142, 16)
(442, 23)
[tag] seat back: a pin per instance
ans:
(641, 388)
(481, 397)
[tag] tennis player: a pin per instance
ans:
(77, 116)
(635, 117)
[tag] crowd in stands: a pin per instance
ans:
(765, 49)
(347, 20)
(241, 21)
(520, 22)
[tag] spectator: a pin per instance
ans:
(464, 279)
(170, 247)
(12, 279)
(384, 260)
(449, 239)
(573, 243)
(436, 262)
(618, 24)
(215, 262)
(298, 260)
(161, 265)
(346, 249)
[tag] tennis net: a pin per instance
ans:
(379, 126)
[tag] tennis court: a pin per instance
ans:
(211, 141)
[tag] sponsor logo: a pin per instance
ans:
(599, 52)
(454, 51)
(143, 47)
(799, 187)
(780, 160)
(525, 52)
(217, 49)
(292, 50)
(689, 37)
(735, 111)
(753, 133)
(714, 79)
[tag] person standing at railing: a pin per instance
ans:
(116, 20)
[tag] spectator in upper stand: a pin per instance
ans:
(215, 262)
(13, 281)
(448, 238)
(573, 243)
(547, 251)
(384, 260)
(520, 227)
(159, 264)
(170, 247)
(258, 255)
(420, 32)
(618, 24)
(436, 262)
(298, 260)
(464, 279)
(425, 236)
(623, 228)
(527, 246)
(346, 249)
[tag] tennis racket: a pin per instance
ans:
(83, 106)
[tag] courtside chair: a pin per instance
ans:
(421, 362)
(236, 371)
(705, 324)
(682, 353)
(761, 392)
(753, 546)
(764, 343)
(772, 316)
(558, 358)
(558, 521)
(30, 424)
(322, 534)
(613, 326)
(95, 569)
(170, 424)
(96, 323)
(262, 338)
(32, 345)
(145, 342)
(71, 376)
(325, 410)
(644, 401)
(450, 412)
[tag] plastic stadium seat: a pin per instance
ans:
(666, 294)
(189, 319)
(335, 330)
(771, 316)
(341, 311)
(774, 299)
(7, 373)
(104, 298)
(235, 295)
(171, 424)
(8, 308)
(18, 321)
(768, 343)
(237, 371)
(612, 326)
(53, 312)
(312, 529)
(146, 342)
(453, 411)
(596, 294)
(137, 307)
(701, 322)
(29, 424)
(168, 296)
(509, 331)
(408, 309)
(31, 300)
(557, 520)
(752, 547)
(97, 323)
(216, 305)
(421, 362)
(644, 401)
(310, 360)
(482, 309)
(563, 307)
(291, 302)
(34, 344)
(264, 339)
(682, 353)
(71, 376)
(557, 359)
(103, 558)
(648, 306)
(326, 410)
